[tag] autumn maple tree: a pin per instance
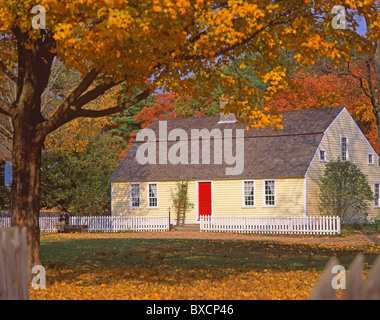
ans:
(313, 89)
(146, 45)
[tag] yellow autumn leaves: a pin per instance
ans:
(163, 284)
(172, 266)
(166, 44)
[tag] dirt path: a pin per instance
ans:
(347, 240)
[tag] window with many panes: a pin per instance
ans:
(152, 195)
(249, 193)
(134, 195)
(269, 192)
(376, 192)
(344, 148)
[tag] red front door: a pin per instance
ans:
(204, 199)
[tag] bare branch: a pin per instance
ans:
(361, 83)
(57, 69)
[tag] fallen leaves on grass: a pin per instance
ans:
(172, 283)
(158, 283)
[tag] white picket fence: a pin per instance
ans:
(276, 225)
(105, 224)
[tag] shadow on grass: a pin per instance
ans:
(190, 254)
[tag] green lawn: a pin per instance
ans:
(194, 253)
(117, 266)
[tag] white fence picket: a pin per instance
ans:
(241, 224)
(275, 225)
(104, 223)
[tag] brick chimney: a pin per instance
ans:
(225, 117)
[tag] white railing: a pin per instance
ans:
(277, 225)
(105, 223)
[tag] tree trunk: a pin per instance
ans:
(376, 99)
(34, 66)
(26, 186)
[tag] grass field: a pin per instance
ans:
(103, 266)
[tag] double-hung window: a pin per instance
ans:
(371, 159)
(322, 155)
(134, 195)
(269, 193)
(249, 193)
(344, 148)
(376, 193)
(152, 195)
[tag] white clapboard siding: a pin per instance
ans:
(104, 223)
(275, 225)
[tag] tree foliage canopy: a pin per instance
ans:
(150, 45)
(80, 181)
(161, 43)
(345, 191)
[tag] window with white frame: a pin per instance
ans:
(344, 148)
(152, 195)
(322, 155)
(249, 193)
(371, 158)
(134, 195)
(269, 192)
(376, 193)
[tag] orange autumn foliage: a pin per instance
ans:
(330, 90)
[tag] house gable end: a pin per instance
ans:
(358, 149)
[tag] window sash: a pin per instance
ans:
(135, 195)
(270, 193)
(370, 158)
(344, 148)
(152, 195)
(322, 155)
(376, 194)
(249, 193)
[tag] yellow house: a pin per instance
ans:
(231, 171)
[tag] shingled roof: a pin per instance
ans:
(267, 154)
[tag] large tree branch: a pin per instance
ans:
(106, 112)
(71, 108)
(65, 112)
(92, 94)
